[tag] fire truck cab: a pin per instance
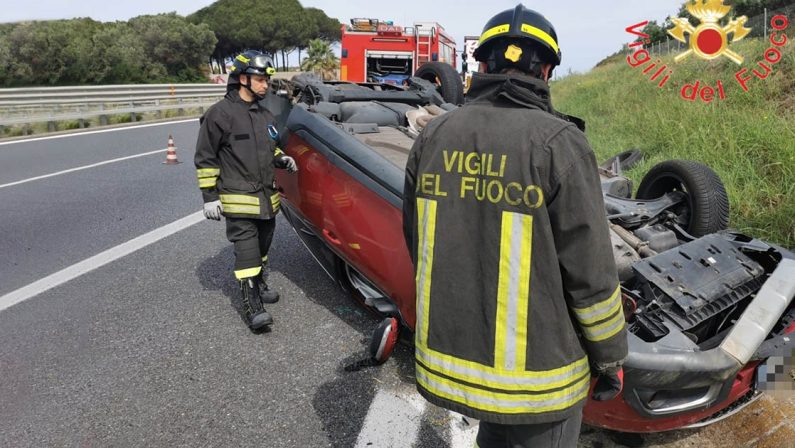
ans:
(380, 51)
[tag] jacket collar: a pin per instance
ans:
(234, 96)
(523, 91)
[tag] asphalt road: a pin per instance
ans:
(150, 349)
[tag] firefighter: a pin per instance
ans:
(518, 300)
(236, 154)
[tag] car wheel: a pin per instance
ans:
(707, 202)
(447, 80)
(626, 159)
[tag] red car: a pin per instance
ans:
(704, 305)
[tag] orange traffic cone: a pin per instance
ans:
(171, 153)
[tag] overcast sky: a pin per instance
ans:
(587, 30)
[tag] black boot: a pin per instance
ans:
(266, 294)
(256, 315)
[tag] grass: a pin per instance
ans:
(748, 138)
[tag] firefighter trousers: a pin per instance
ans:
(252, 239)
(562, 434)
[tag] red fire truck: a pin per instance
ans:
(380, 51)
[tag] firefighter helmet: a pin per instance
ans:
(520, 38)
(249, 62)
(252, 63)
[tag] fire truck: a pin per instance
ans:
(382, 52)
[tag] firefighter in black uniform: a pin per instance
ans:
(518, 300)
(236, 154)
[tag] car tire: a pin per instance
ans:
(626, 159)
(708, 203)
(447, 80)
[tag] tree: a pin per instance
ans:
(271, 26)
(752, 8)
(320, 59)
(656, 32)
(180, 46)
(317, 25)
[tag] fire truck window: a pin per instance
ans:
(389, 70)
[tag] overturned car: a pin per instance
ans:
(704, 305)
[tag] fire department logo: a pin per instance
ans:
(709, 40)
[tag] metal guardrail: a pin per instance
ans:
(53, 104)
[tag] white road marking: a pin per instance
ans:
(97, 261)
(393, 420)
(80, 168)
(98, 131)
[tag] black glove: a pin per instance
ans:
(609, 383)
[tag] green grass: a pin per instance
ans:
(748, 139)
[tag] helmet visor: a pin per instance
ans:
(261, 65)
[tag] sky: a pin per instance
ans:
(587, 30)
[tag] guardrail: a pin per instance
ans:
(25, 106)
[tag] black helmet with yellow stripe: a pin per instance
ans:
(249, 62)
(519, 38)
(252, 62)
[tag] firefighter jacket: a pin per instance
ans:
(516, 283)
(235, 158)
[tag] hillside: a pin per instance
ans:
(748, 138)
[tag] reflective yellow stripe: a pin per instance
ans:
(246, 273)
(208, 182)
(278, 152)
(241, 209)
(276, 201)
(243, 59)
(601, 310)
(513, 291)
(503, 403)
(475, 373)
(499, 29)
(602, 320)
(208, 172)
(426, 222)
(239, 199)
(265, 259)
(604, 330)
(541, 34)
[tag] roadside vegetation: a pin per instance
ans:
(320, 60)
(748, 138)
(146, 49)
(156, 49)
